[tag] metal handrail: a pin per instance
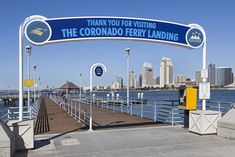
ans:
(159, 110)
(71, 109)
(12, 113)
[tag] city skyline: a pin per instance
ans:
(168, 71)
(58, 63)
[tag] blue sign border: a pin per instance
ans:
(163, 31)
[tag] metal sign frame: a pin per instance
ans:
(29, 20)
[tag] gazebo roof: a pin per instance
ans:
(69, 85)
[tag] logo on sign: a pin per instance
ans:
(99, 71)
(38, 32)
(194, 37)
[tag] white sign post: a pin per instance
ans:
(98, 68)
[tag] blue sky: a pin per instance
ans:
(65, 61)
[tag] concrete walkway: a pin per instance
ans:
(134, 142)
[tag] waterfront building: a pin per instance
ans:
(116, 85)
(120, 80)
(211, 74)
(180, 79)
(224, 76)
(132, 79)
(198, 77)
(157, 80)
(147, 75)
(166, 72)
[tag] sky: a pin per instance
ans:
(60, 62)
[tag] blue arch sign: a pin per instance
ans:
(40, 32)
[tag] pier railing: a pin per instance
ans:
(73, 108)
(12, 113)
(223, 107)
(164, 111)
(158, 110)
(4, 115)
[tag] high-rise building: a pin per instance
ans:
(181, 79)
(120, 81)
(132, 79)
(198, 77)
(147, 75)
(211, 74)
(224, 76)
(166, 72)
(157, 82)
(140, 80)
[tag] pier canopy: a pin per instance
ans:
(69, 85)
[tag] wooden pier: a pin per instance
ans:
(53, 119)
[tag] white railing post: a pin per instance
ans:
(121, 108)
(102, 103)
(84, 118)
(131, 107)
(155, 111)
(75, 109)
(219, 106)
(71, 111)
(30, 111)
(79, 110)
(8, 114)
(172, 117)
(67, 104)
(141, 110)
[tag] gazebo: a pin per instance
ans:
(69, 86)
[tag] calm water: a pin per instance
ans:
(216, 95)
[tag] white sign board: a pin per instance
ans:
(204, 73)
(204, 90)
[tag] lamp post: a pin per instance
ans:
(9, 91)
(35, 82)
(28, 51)
(80, 97)
(128, 51)
(39, 85)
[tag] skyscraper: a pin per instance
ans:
(140, 80)
(132, 77)
(147, 75)
(166, 72)
(224, 76)
(120, 80)
(211, 74)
